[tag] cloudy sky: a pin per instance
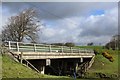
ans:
(78, 22)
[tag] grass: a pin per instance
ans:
(12, 69)
(0, 66)
(90, 47)
(101, 64)
(104, 66)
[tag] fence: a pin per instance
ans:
(32, 47)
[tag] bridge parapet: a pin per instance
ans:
(32, 47)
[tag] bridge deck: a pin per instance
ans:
(48, 55)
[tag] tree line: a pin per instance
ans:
(68, 44)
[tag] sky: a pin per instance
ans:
(77, 22)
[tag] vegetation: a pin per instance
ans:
(68, 44)
(108, 56)
(12, 69)
(23, 25)
(114, 43)
(0, 66)
(58, 44)
(102, 67)
(90, 44)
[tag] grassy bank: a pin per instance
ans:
(102, 67)
(12, 69)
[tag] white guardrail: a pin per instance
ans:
(32, 47)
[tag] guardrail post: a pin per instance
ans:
(62, 49)
(71, 49)
(34, 47)
(50, 48)
(79, 50)
(17, 46)
(9, 44)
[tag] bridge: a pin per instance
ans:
(58, 58)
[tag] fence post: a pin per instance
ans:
(62, 49)
(50, 48)
(9, 44)
(34, 47)
(71, 49)
(79, 50)
(21, 57)
(18, 46)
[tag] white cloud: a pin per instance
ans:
(94, 28)
(75, 25)
(64, 32)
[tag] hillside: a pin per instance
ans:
(102, 67)
(12, 69)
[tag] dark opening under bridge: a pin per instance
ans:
(52, 59)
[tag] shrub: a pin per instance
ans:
(108, 56)
(58, 44)
(96, 51)
(69, 44)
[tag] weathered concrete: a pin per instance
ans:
(51, 59)
(57, 63)
(48, 55)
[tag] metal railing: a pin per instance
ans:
(32, 47)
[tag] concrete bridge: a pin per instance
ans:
(52, 59)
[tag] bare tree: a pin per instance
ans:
(24, 25)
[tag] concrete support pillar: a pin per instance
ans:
(48, 62)
(42, 70)
(81, 59)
